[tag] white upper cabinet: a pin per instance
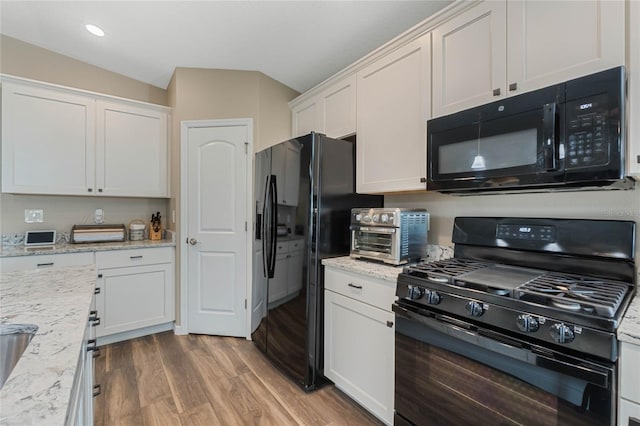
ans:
(633, 69)
(393, 97)
(131, 151)
(307, 117)
(48, 141)
(285, 165)
(339, 108)
(331, 112)
(63, 141)
(500, 48)
(469, 58)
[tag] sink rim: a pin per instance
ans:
(19, 337)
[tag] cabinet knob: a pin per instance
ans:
(638, 159)
(513, 87)
(423, 180)
(496, 92)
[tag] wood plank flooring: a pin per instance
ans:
(164, 379)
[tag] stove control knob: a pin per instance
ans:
(562, 333)
(527, 323)
(474, 309)
(433, 298)
(414, 292)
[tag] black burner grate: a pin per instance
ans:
(575, 293)
(445, 271)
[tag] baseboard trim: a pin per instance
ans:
(132, 334)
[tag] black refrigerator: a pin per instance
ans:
(304, 192)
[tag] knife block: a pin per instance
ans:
(153, 234)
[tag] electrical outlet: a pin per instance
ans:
(33, 215)
(173, 216)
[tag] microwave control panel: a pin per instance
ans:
(586, 140)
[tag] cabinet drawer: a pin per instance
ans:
(134, 257)
(282, 247)
(23, 263)
(628, 413)
(372, 291)
(296, 245)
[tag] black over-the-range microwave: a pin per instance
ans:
(567, 136)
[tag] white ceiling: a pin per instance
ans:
(299, 43)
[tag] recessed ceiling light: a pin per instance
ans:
(97, 31)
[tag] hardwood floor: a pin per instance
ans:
(164, 379)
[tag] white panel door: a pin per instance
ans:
(217, 229)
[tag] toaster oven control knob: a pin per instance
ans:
(562, 333)
(414, 292)
(366, 218)
(527, 323)
(384, 218)
(375, 218)
(474, 309)
(432, 297)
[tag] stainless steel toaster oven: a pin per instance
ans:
(394, 236)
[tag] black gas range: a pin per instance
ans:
(533, 304)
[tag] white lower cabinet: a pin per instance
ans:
(135, 290)
(629, 395)
(359, 339)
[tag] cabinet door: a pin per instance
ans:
(134, 297)
(630, 372)
(307, 117)
(634, 89)
(359, 352)
(393, 108)
(294, 272)
(278, 284)
(285, 164)
(628, 412)
(48, 141)
(551, 42)
(339, 102)
(131, 156)
(469, 58)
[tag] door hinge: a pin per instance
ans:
(245, 304)
(246, 147)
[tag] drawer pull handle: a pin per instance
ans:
(135, 257)
(390, 324)
(92, 345)
(97, 290)
(44, 264)
(97, 390)
(99, 275)
(359, 287)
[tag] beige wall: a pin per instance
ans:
(618, 205)
(210, 94)
(60, 213)
(28, 61)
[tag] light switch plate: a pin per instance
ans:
(33, 215)
(98, 216)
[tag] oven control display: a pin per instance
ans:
(526, 232)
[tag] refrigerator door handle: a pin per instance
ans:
(274, 225)
(266, 205)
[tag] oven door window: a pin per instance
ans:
(374, 241)
(444, 380)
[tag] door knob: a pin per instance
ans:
(193, 241)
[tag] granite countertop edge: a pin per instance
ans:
(58, 301)
(62, 248)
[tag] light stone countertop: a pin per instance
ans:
(363, 267)
(61, 248)
(58, 301)
(629, 328)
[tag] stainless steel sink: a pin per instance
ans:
(14, 339)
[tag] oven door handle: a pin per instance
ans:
(376, 229)
(504, 345)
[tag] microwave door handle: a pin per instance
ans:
(549, 136)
